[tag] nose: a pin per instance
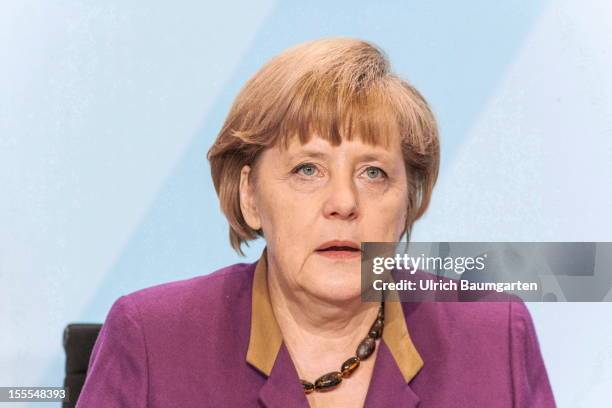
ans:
(342, 202)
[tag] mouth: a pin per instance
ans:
(339, 249)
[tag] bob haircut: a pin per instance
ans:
(335, 88)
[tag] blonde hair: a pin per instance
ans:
(336, 88)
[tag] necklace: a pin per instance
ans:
(365, 349)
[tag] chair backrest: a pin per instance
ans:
(79, 340)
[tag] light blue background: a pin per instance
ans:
(107, 110)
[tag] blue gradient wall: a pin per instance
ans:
(107, 110)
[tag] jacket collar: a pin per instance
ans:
(397, 358)
(266, 338)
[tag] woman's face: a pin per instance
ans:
(312, 194)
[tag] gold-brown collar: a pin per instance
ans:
(266, 337)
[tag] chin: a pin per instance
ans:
(335, 288)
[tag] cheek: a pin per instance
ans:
(385, 217)
(286, 215)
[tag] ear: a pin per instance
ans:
(249, 210)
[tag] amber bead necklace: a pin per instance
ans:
(365, 349)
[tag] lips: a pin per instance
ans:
(337, 245)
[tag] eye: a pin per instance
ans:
(306, 169)
(374, 173)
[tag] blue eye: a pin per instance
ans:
(307, 169)
(375, 172)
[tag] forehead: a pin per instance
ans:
(388, 145)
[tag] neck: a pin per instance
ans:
(328, 329)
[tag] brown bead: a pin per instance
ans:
(308, 386)
(366, 348)
(328, 381)
(381, 312)
(376, 329)
(349, 366)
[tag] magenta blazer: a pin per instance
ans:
(185, 343)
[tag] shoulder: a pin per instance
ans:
(181, 299)
(468, 311)
(158, 331)
(472, 322)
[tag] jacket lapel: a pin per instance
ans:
(388, 387)
(282, 388)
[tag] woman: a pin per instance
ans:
(323, 148)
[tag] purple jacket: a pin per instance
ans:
(211, 341)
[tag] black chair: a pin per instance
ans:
(79, 340)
